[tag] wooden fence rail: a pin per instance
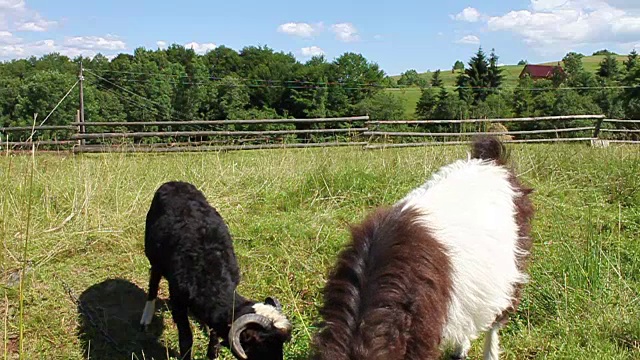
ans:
(225, 122)
(521, 132)
(37, 128)
(375, 134)
(119, 149)
(504, 120)
(213, 133)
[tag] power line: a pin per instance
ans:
(135, 94)
(59, 102)
(298, 84)
(128, 99)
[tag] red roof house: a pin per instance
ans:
(540, 71)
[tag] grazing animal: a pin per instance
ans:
(434, 270)
(188, 243)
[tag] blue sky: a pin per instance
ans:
(398, 35)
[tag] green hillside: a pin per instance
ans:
(411, 95)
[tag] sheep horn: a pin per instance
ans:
(239, 325)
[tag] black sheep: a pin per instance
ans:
(188, 243)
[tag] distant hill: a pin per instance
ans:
(510, 72)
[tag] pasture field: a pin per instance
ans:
(80, 220)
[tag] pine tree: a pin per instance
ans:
(609, 68)
(632, 61)
(495, 73)
(478, 76)
(436, 81)
(427, 104)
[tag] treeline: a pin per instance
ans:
(178, 84)
(614, 90)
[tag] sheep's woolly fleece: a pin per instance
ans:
(276, 317)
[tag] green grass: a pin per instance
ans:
(510, 72)
(288, 211)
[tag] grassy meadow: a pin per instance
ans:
(78, 221)
(411, 95)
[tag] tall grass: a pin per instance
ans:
(288, 211)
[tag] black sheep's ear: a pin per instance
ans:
(273, 302)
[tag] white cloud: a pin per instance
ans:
(345, 32)
(311, 51)
(560, 25)
(108, 42)
(87, 46)
(12, 4)
(7, 38)
(469, 39)
(27, 49)
(200, 48)
(161, 44)
(300, 29)
(469, 14)
(377, 37)
(36, 23)
(15, 15)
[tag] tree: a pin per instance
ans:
(465, 92)
(222, 61)
(610, 99)
(266, 71)
(494, 75)
(573, 63)
(577, 77)
(436, 81)
(355, 71)
(382, 106)
(408, 78)
(609, 68)
(558, 76)
(632, 61)
(604, 52)
(427, 104)
(495, 106)
(233, 98)
(632, 81)
(449, 107)
(523, 102)
(475, 78)
(457, 66)
(522, 62)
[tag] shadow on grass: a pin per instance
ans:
(109, 317)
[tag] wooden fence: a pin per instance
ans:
(222, 135)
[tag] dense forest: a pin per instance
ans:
(176, 83)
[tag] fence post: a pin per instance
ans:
(79, 127)
(81, 111)
(596, 131)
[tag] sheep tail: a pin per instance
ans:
(489, 148)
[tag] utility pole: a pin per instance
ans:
(81, 79)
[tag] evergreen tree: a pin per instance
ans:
(436, 81)
(495, 73)
(609, 67)
(465, 93)
(477, 76)
(632, 61)
(427, 104)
